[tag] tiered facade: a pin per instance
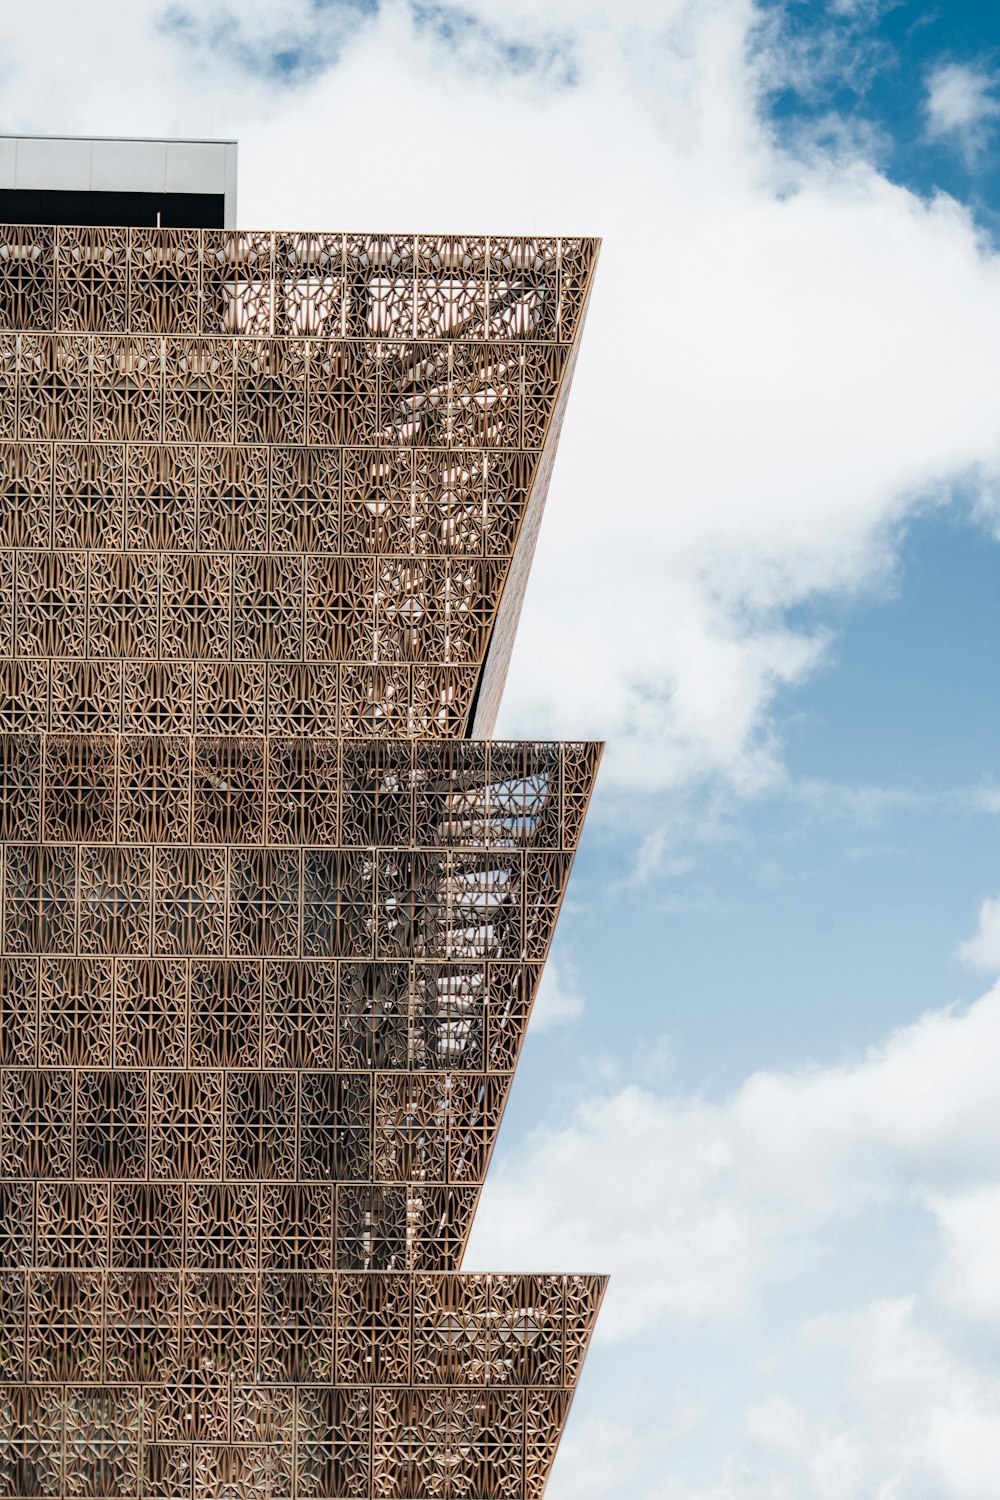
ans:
(274, 908)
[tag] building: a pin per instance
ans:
(274, 904)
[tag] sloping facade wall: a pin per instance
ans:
(272, 925)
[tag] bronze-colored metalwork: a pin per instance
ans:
(273, 909)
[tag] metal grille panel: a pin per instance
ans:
(272, 925)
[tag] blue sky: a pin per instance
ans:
(878, 58)
(760, 1087)
(843, 892)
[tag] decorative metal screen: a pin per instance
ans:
(272, 923)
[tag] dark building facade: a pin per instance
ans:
(274, 905)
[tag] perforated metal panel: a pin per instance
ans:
(271, 925)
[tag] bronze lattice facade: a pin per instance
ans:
(274, 907)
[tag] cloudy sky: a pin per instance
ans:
(761, 1086)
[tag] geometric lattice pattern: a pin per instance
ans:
(315, 1038)
(322, 1385)
(269, 483)
(271, 923)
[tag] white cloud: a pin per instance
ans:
(897, 1414)
(982, 951)
(914, 1417)
(560, 999)
(703, 1211)
(697, 1206)
(962, 107)
(969, 1225)
(984, 798)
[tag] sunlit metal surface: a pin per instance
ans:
(273, 922)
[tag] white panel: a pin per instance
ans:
(61, 165)
(196, 167)
(129, 167)
(8, 156)
(230, 203)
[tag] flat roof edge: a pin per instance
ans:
(145, 140)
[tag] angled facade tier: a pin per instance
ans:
(262, 1000)
(273, 483)
(273, 909)
(313, 1384)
